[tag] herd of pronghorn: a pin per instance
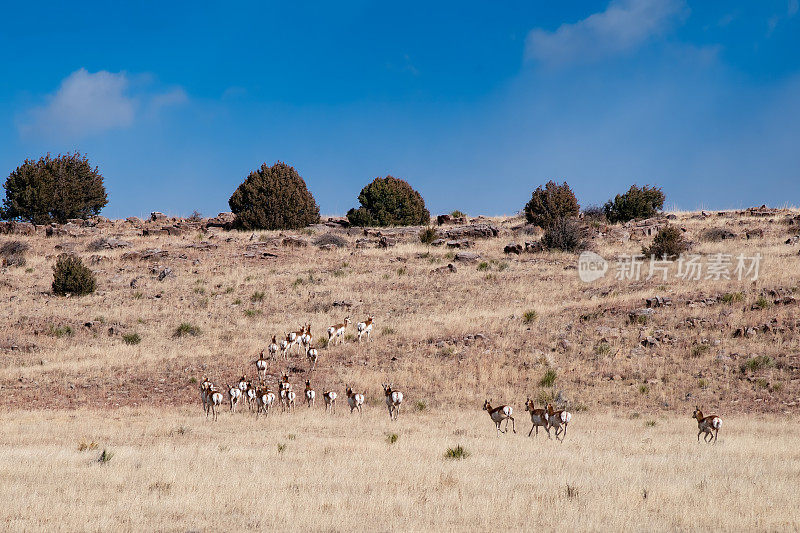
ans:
(261, 398)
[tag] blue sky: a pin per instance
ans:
(474, 103)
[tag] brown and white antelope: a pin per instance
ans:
(707, 424)
(205, 387)
(337, 331)
(250, 394)
(265, 399)
(538, 418)
(261, 365)
(557, 419)
(215, 399)
(296, 337)
(285, 393)
(285, 345)
(393, 400)
(307, 339)
(273, 347)
(365, 328)
(235, 396)
(310, 394)
(312, 355)
(498, 414)
(354, 400)
(330, 401)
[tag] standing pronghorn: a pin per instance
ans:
(285, 345)
(273, 347)
(265, 398)
(354, 400)
(538, 418)
(286, 394)
(337, 331)
(556, 419)
(499, 414)
(393, 400)
(312, 355)
(242, 385)
(215, 400)
(295, 338)
(707, 425)
(205, 388)
(330, 401)
(307, 339)
(310, 394)
(365, 328)
(261, 364)
(250, 396)
(235, 395)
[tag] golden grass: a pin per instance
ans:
(175, 471)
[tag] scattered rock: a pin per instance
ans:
(658, 301)
(157, 216)
(513, 248)
(474, 231)
(386, 242)
(753, 233)
(222, 220)
(463, 243)
(164, 273)
(467, 257)
(449, 268)
(347, 304)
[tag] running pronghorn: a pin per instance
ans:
(215, 399)
(330, 401)
(307, 339)
(354, 400)
(365, 328)
(235, 395)
(556, 419)
(261, 364)
(499, 414)
(265, 398)
(273, 347)
(337, 331)
(393, 400)
(707, 425)
(310, 394)
(285, 345)
(312, 355)
(538, 418)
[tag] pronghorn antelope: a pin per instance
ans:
(284, 388)
(499, 414)
(365, 328)
(290, 398)
(242, 385)
(215, 399)
(285, 345)
(310, 394)
(273, 347)
(538, 418)
(312, 355)
(354, 400)
(707, 424)
(337, 331)
(393, 400)
(261, 364)
(235, 395)
(250, 396)
(295, 338)
(556, 419)
(265, 398)
(205, 388)
(330, 401)
(307, 338)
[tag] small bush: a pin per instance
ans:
(700, 349)
(71, 276)
(428, 235)
(638, 202)
(756, 363)
(549, 378)
(458, 214)
(602, 349)
(106, 456)
(257, 296)
(330, 238)
(60, 331)
(13, 253)
(594, 213)
(732, 297)
(702, 383)
(644, 389)
(483, 266)
(389, 202)
(132, 339)
(650, 423)
(186, 329)
(763, 303)
(456, 453)
(550, 204)
(717, 235)
(391, 438)
(281, 447)
(667, 243)
(529, 316)
(420, 405)
(250, 313)
(564, 234)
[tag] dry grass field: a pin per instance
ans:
(109, 368)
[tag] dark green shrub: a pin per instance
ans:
(54, 189)
(458, 214)
(549, 378)
(668, 242)
(71, 276)
(459, 452)
(389, 201)
(186, 329)
(428, 235)
(273, 197)
(132, 339)
(756, 363)
(564, 234)
(550, 204)
(638, 202)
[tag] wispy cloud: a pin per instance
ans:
(88, 103)
(623, 26)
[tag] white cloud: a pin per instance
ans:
(91, 103)
(623, 26)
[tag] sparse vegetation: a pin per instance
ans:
(529, 316)
(549, 378)
(668, 243)
(13, 253)
(186, 329)
(758, 362)
(427, 235)
(458, 452)
(565, 235)
(132, 339)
